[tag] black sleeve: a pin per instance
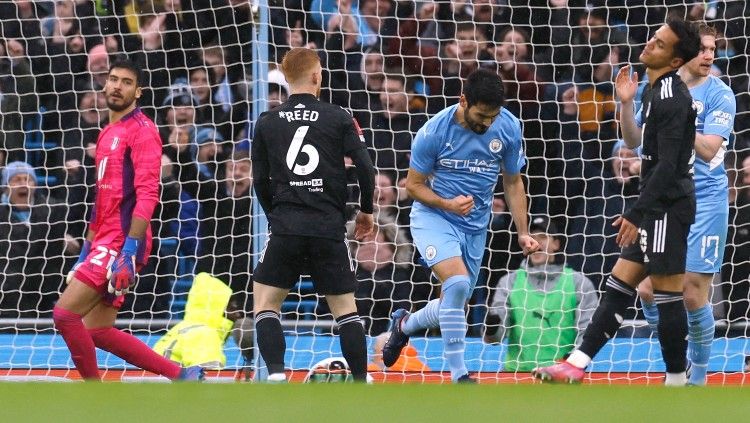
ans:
(354, 147)
(663, 178)
(365, 176)
(353, 136)
(261, 170)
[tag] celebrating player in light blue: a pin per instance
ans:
(715, 106)
(456, 159)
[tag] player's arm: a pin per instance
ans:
(515, 196)
(662, 180)
(717, 126)
(145, 151)
(261, 170)
(355, 149)
(626, 86)
(497, 315)
(365, 177)
(706, 146)
(515, 191)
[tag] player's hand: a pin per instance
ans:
(528, 244)
(461, 205)
(626, 85)
(627, 234)
(122, 273)
(364, 225)
(85, 250)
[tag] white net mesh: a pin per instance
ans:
(393, 64)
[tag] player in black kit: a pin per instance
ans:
(298, 155)
(653, 233)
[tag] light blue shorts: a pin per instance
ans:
(707, 238)
(438, 240)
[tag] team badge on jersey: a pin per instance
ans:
(698, 106)
(496, 145)
(430, 252)
(115, 143)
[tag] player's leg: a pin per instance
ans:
(332, 270)
(650, 311)
(99, 322)
(667, 252)
(672, 328)
(705, 252)
(436, 242)
(267, 306)
(76, 301)
(619, 294)
(459, 279)
(351, 333)
(276, 273)
(701, 324)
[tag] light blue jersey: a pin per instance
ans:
(459, 161)
(715, 105)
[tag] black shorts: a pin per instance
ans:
(662, 245)
(286, 257)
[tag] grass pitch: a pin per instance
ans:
(139, 403)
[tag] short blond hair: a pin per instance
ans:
(297, 62)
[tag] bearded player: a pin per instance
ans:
(118, 241)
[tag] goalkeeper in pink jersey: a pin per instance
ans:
(128, 162)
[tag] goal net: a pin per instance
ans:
(211, 67)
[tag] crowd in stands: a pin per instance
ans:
(393, 63)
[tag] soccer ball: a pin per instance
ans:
(331, 370)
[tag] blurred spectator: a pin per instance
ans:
(98, 66)
(226, 224)
(16, 99)
(513, 56)
(358, 86)
(33, 243)
(276, 95)
(376, 21)
(228, 92)
(203, 83)
(210, 157)
(591, 40)
(542, 308)
(415, 54)
(78, 153)
(491, 16)
(385, 196)
(157, 54)
(626, 167)
(178, 112)
(460, 57)
(389, 138)
(67, 41)
(210, 317)
(386, 277)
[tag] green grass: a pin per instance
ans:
(224, 403)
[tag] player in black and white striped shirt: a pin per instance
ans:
(653, 233)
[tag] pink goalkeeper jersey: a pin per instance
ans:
(128, 165)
